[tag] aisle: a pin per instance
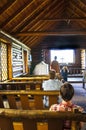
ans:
(80, 95)
(76, 79)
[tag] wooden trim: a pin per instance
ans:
(33, 114)
(9, 56)
(60, 33)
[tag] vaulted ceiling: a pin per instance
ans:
(48, 23)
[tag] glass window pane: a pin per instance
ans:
(63, 56)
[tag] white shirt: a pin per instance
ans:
(41, 69)
(51, 84)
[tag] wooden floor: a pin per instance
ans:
(75, 79)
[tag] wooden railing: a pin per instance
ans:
(38, 119)
(75, 71)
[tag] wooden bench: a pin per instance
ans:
(32, 78)
(27, 99)
(21, 85)
(13, 119)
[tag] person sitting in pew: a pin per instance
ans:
(52, 84)
(67, 93)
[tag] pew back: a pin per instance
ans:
(27, 99)
(38, 119)
(21, 85)
(32, 78)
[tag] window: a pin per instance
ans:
(63, 56)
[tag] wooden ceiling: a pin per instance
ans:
(47, 23)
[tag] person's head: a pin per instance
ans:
(52, 74)
(67, 91)
(55, 57)
(58, 76)
(64, 67)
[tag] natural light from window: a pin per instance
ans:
(63, 56)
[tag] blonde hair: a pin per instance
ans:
(52, 74)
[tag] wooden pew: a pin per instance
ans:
(13, 119)
(21, 85)
(24, 83)
(27, 99)
(32, 78)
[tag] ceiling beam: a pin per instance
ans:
(65, 19)
(63, 33)
(6, 6)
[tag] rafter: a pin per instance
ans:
(32, 23)
(65, 19)
(63, 33)
(6, 6)
(16, 14)
(32, 16)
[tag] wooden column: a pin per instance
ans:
(9, 57)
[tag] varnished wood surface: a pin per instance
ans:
(33, 92)
(24, 84)
(20, 82)
(42, 114)
(22, 99)
(34, 78)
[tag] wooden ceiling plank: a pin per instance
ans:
(53, 23)
(26, 39)
(45, 25)
(40, 16)
(34, 42)
(38, 9)
(6, 6)
(35, 29)
(32, 19)
(54, 8)
(31, 39)
(79, 21)
(55, 14)
(75, 9)
(36, 20)
(48, 26)
(16, 14)
(80, 5)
